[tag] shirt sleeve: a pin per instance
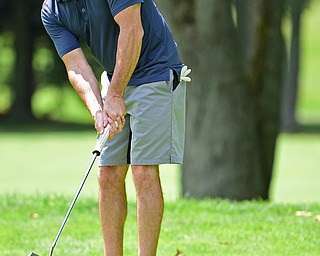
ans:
(62, 38)
(117, 6)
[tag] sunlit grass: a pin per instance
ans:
(37, 159)
(206, 228)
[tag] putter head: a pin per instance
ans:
(33, 254)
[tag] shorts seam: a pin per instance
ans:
(171, 120)
(157, 161)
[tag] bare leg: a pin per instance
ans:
(150, 205)
(113, 207)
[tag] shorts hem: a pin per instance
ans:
(157, 161)
(143, 161)
(113, 162)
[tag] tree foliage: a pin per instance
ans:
(35, 61)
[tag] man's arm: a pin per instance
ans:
(85, 84)
(127, 56)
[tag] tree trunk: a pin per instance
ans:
(232, 107)
(247, 18)
(266, 81)
(23, 86)
(290, 92)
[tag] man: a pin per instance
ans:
(145, 103)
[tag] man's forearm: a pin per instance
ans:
(83, 80)
(87, 88)
(128, 51)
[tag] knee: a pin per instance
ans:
(145, 176)
(111, 176)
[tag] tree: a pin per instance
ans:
(36, 62)
(21, 19)
(23, 82)
(291, 85)
(234, 100)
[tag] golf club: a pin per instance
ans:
(101, 141)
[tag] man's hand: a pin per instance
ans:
(99, 122)
(114, 106)
(115, 125)
(114, 111)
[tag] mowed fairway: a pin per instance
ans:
(43, 160)
(297, 169)
(41, 169)
(197, 228)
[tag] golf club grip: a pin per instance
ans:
(101, 141)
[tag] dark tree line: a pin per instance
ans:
(21, 20)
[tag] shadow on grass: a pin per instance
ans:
(41, 125)
(304, 128)
(33, 125)
(312, 128)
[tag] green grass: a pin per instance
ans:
(296, 170)
(48, 159)
(42, 159)
(42, 166)
(206, 228)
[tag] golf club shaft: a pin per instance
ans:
(95, 154)
(101, 141)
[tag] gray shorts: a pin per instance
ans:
(154, 131)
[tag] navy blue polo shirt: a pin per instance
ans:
(92, 21)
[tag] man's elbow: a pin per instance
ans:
(135, 33)
(139, 32)
(132, 32)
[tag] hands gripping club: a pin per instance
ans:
(101, 141)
